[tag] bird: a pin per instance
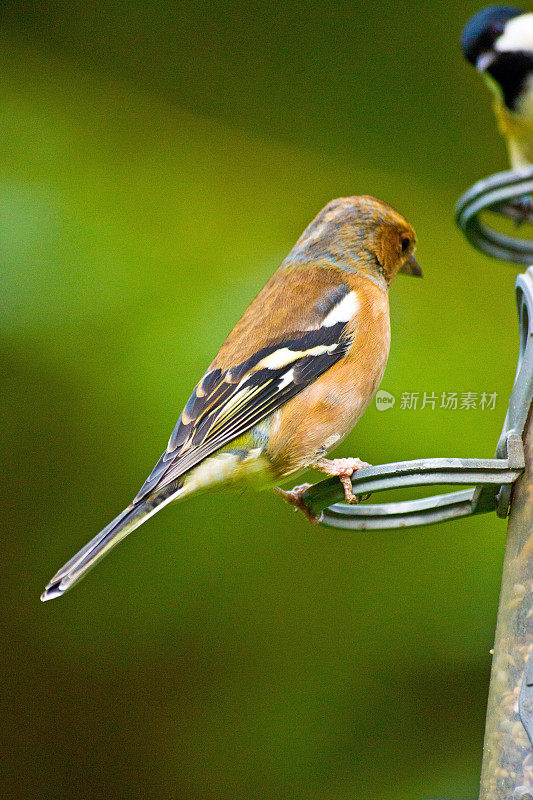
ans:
(292, 378)
(498, 41)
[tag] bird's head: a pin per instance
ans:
(485, 32)
(360, 234)
(498, 41)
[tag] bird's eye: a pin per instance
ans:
(405, 244)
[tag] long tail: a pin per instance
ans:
(126, 522)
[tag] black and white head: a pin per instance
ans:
(498, 41)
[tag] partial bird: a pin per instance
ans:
(292, 378)
(498, 41)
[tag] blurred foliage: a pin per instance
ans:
(157, 161)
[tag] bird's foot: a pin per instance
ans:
(343, 468)
(295, 498)
(520, 210)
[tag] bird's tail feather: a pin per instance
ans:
(131, 518)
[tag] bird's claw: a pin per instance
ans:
(344, 468)
(295, 498)
(519, 210)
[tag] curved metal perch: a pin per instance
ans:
(500, 193)
(487, 474)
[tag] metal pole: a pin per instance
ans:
(507, 770)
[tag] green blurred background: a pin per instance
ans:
(157, 161)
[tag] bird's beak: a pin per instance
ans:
(484, 61)
(411, 267)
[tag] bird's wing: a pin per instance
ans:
(229, 401)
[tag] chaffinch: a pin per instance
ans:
(292, 378)
(498, 41)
